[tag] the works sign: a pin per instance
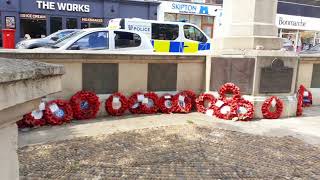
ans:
(70, 7)
(297, 22)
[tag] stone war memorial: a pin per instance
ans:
(247, 77)
(248, 54)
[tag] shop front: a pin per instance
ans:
(301, 32)
(199, 14)
(36, 18)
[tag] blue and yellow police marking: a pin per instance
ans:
(182, 47)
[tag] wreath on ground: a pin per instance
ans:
(149, 104)
(35, 118)
(22, 124)
(272, 102)
(58, 112)
(192, 95)
(85, 105)
(307, 97)
(300, 100)
(134, 102)
(205, 102)
(225, 109)
(182, 103)
(116, 104)
(244, 109)
(165, 104)
(229, 88)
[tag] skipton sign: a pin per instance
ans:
(70, 7)
(188, 8)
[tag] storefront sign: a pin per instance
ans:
(94, 20)
(143, 27)
(33, 16)
(71, 7)
(297, 22)
(188, 8)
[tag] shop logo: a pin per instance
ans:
(204, 10)
(284, 22)
(63, 6)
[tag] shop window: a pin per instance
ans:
(91, 25)
(170, 17)
(183, 18)
(33, 28)
(95, 40)
(192, 33)
(165, 31)
(96, 25)
(72, 23)
(55, 24)
(195, 20)
(84, 25)
(126, 40)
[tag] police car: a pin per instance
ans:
(178, 37)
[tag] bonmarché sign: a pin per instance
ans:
(70, 7)
(284, 21)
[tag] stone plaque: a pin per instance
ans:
(276, 79)
(236, 70)
(101, 78)
(162, 77)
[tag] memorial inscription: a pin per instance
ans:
(276, 79)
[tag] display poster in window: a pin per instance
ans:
(10, 22)
(138, 26)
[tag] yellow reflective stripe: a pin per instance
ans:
(191, 47)
(161, 45)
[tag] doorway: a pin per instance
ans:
(35, 28)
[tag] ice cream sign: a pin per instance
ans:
(70, 7)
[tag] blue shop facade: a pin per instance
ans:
(39, 18)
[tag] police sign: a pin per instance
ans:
(138, 26)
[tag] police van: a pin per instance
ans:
(166, 36)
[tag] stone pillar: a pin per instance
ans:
(22, 85)
(248, 24)
(9, 166)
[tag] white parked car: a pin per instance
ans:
(104, 39)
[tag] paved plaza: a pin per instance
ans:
(192, 146)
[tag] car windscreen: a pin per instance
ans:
(315, 48)
(65, 39)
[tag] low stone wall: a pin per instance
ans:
(126, 73)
